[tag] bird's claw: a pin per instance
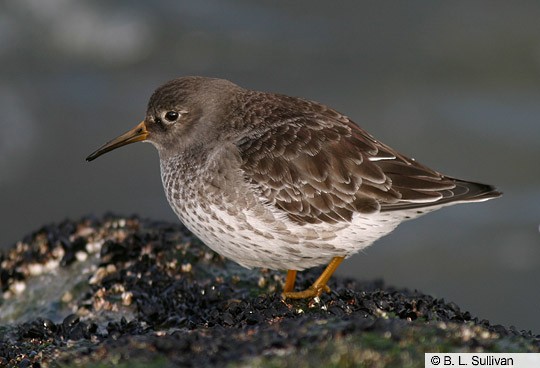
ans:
(311, 292)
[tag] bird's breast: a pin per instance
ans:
(221, 208)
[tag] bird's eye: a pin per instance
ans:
(171, 116)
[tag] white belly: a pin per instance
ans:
(276, 242)
(239, 226)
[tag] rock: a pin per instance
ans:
(147, 292)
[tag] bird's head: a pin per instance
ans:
(184, 112)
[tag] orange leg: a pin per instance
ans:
(289, 282)
(318, 286)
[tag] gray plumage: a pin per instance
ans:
(281, 182)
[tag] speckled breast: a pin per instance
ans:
(216, 203)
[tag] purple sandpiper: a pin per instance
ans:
(280, 182)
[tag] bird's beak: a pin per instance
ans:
(137, 134)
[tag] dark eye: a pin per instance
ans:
(171, 116)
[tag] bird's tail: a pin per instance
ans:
(468, 191)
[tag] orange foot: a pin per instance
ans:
(311, 292)
(318, 287)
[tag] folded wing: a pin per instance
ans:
(318, 166)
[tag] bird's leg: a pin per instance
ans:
(318, 286)
(289, 282)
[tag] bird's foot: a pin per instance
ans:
(318, 287)
(313, 291)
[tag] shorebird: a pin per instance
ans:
(280, 182)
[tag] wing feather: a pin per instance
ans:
(318, 166)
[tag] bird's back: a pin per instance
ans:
(316, 165)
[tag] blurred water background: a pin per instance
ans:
(454, 84)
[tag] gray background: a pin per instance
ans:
(453, 84)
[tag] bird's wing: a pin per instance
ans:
(318, 166)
